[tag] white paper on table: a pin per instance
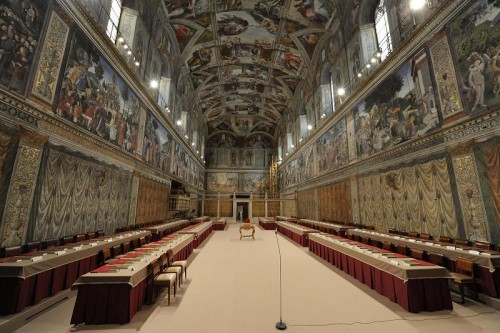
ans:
(37, 258)
(395, 262)
(450, 247)
(474, 252)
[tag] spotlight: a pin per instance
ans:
(136, 63)
(129, 52)
(309, 127)
(292, 146)
(187, 137)
(373, 60)
(153, 84)
(192, 144)
(341, 91)
(179, 123)
(125, 46)
(359, 74)
(379, 54)
(368, 65)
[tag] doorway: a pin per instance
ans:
(242, 211)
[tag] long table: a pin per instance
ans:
(286, 219)
(336, 229)
(158, 230)
(415, 285)
(295, 232)
(200, 219)
(27, 279)
(267, 224)
(487, 273)
(114, 293)
(219, 223)
(200, 232)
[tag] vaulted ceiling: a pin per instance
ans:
(246, 58)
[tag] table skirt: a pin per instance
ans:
(300, 239)
(414, 295)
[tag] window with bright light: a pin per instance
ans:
(114, 19)
(382, 29)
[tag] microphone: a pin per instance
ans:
(281, 325)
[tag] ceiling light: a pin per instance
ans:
(192, 144)
(359, 74)
(300, 140)
(120, 40)
(309, 127)
(153, 84)
(378, 54)
(187, 137)
(129, 52)
(125, 46)
(179, 122)
(292, 146)
(137, 63)
(197, 152)
(417, 4)
(341, 91)
(368, 65)
(373, 60)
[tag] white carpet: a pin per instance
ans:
(233, 287)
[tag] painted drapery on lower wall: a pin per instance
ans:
(305, 204)
(414, 198)
(78, 195)
(152, 204)
(335, 202)
(6, 143)
(492, 156)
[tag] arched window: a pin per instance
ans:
(382, 30)
(114, 18)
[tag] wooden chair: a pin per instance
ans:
(13, 251)
(445, 239)
(413, 234)
(464, 275)
(482, 245)
(134, 243)
(148, 239)
(125, 247)
(393, 231)
(67, 240)
(401, 249)
(436, 259)
(162, 279)
(116, 250)
(461, 242)
(426, 236)
(387, 246)
(417, 254)
(168, 268)
(374, 242)
(49, 243)
(100, 233)
(91, 235)
(142, 241)
(31, 247)
(105, 255)
(365, 240)
(79, 238)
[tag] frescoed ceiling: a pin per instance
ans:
(246, 58)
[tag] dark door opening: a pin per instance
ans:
(241, 211)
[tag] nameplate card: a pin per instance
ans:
(93, 244)
(376, 255)
(397, 237)
(37, 258)
(450, 247)
(459, 249)
(60, 252)
(395, 262)
(486, 254)
(412, 240)
(109, 240)
(474, 252)
(429, 243)
(76, 248)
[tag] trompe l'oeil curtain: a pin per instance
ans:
(414, 198)
(152, 204)
(335, 202)
(4, 148)
(492, 156)
(78, 196)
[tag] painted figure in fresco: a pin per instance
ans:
(476, 79)
(268, 7)
(447, 95)
(231, 26)
(201, 57)
(494, 60)
(178, 8)
(314, 10)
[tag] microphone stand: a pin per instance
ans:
(281, 324)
